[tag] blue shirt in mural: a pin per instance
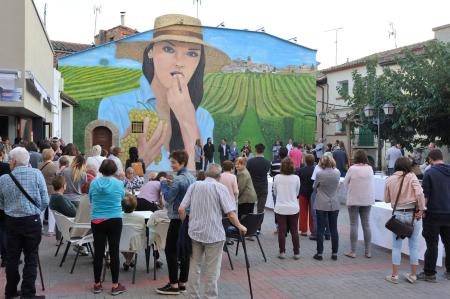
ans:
(115, 109)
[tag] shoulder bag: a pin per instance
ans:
(401, 229)
(25, 193)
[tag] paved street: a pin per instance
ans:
(306, 278)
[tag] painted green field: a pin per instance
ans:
(259, 107)
(91, 83)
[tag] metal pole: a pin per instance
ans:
(336, 46)
(379, 139)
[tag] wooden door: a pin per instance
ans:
(103, 137)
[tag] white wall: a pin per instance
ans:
(56, 111)
(67, 124)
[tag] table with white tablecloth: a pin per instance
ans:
(379, 182)
(381, 236)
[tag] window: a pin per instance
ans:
(342, 88)
(137, 127)
(8, 90)
(339, 128)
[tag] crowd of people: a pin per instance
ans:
(106, 189)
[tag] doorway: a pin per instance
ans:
(103, 137)
(4, 126)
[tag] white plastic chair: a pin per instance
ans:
(65, 225)
(129, 232)
(159, 244)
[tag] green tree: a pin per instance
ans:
(419, 89)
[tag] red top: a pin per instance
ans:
(98, 221)
(297, 156)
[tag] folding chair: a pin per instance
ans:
(252, 222)
(65, 225)
(129, 231)
(161, 231)
(232, 232)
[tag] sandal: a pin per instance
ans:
(350, 255)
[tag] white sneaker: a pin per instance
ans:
(392, 279)
(282, 256)
(296, 256)
(410, 278)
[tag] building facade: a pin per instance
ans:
(29, 85)
(332, 110)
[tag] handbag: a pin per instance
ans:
(23, 191)
(401, 229)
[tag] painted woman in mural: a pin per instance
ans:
(174, 62)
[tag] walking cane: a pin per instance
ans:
(247, 266)
(40, 274)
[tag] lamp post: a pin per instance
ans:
(369, 112)
(322, 116)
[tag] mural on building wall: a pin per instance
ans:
(165, 88)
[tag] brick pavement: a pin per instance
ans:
(305, 278)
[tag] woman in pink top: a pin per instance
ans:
(360, 198)
(149, 198)
(229, 180)
(296, 156)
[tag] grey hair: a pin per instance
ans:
(96, 150)
(213, 171)
(20, 155)
(329, 154)
(130, 170)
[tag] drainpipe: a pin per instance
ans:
(323, 104)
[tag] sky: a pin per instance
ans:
(365, 24)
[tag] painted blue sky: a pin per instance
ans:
(262, 47)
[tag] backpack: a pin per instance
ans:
(138, 169)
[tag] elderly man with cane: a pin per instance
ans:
(23, 197)
(207, 201)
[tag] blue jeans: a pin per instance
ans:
(314, 213)
(330, 217)
(413, 242)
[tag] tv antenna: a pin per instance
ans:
(97, 11)
(197, 2)
(336, 41)
(392, 32)
(45, 15)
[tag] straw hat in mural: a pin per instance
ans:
(180, 28)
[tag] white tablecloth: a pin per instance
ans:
(342, 193)
(269, 201)
(381, 236)
(379, 182)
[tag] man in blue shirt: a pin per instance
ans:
(436, 188)
(23, 224)
(4, 169)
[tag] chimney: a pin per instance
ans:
(122, 18)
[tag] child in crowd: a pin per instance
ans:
(59, 203)
(63, 163)
(132, 182)
(129, 204)
(91, 174)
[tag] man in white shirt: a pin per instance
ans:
(392, 155)
(115, 156)
(319, 150)
(207, 200)
(289, 145)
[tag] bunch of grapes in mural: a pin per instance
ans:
(136, 117)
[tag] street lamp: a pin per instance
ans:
(369, 112)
